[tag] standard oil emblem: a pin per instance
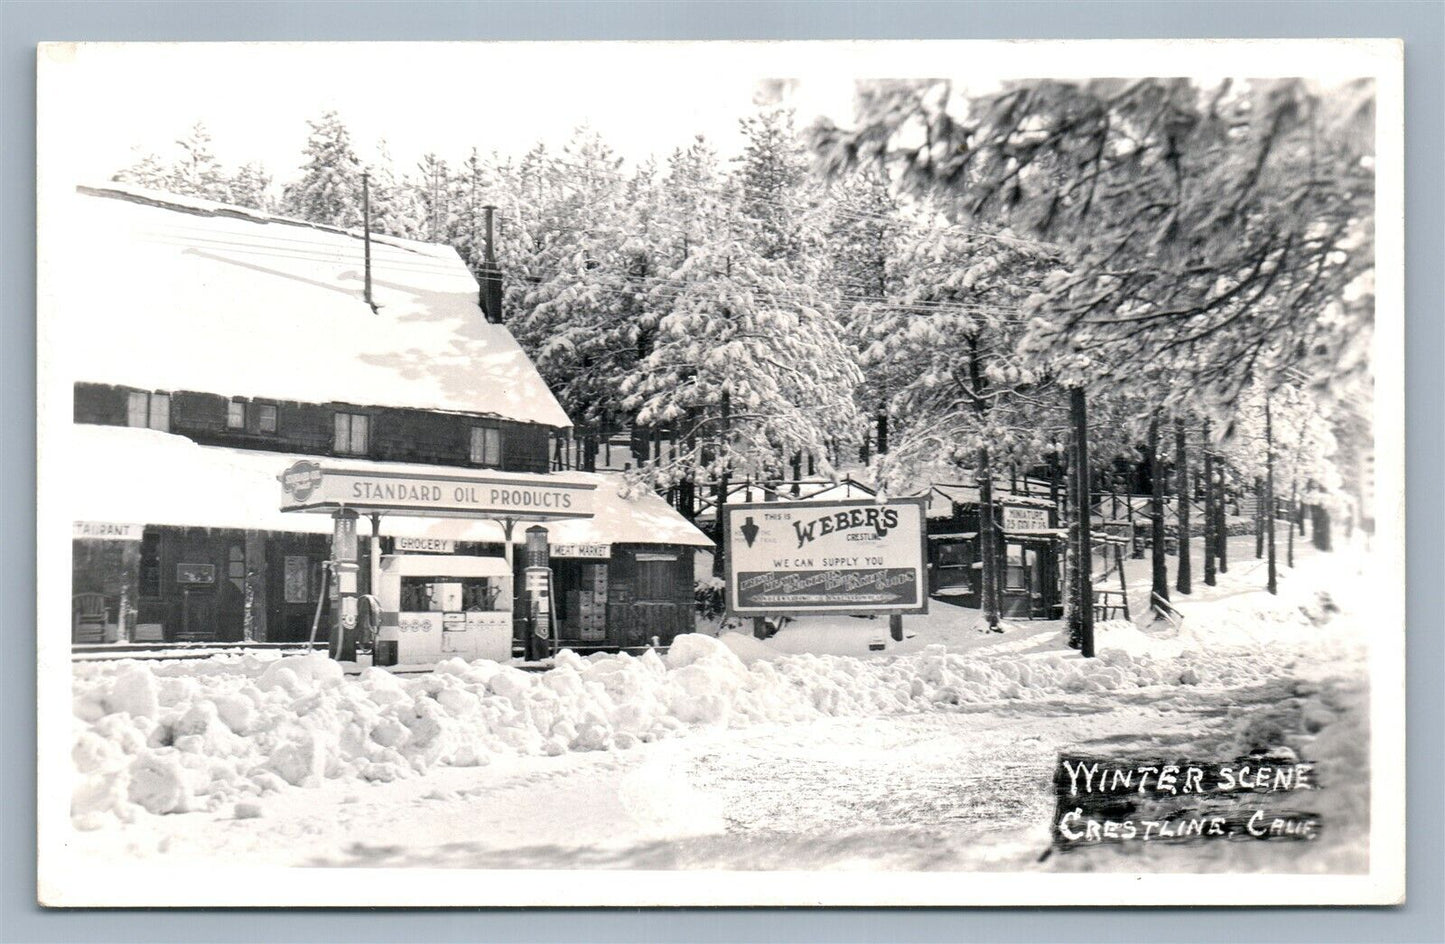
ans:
(301, 479)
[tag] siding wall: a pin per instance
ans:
(632, 621)
(308, 428)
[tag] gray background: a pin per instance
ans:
(1421, 24)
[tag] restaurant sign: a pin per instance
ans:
(826, 557)
(106, 531)
(308, 486)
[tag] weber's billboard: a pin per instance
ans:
(826, 557)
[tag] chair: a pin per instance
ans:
(88, 617)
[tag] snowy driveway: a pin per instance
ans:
(952, 789)
(743, 758)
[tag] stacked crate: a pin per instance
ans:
(592, 603)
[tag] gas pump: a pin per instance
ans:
(344, 570)
(436, 607)
(537, 583)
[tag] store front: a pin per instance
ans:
(204, 555)
(1029, 556)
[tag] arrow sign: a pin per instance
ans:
(749, 530)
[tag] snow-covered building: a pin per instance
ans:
(1029, 550)
(212, 347)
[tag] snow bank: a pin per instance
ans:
(221, 734)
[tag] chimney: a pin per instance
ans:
(491, 276)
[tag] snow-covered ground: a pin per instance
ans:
(730, 752)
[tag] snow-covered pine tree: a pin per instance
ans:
(1300, 436)
(477, 184)
(771, 176)
(394, 207)
(967, 401)
(250, 186)
(864, 222)
(196, 172)
(433, 191)
(329, 190)
(1209, 225)
(569, 307)
(746, 362)
(676, 215)
(1210, 230)
(147, 171)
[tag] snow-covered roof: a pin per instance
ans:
(846, 490)
(966, 494)
(642, 517)
(141, 476)
(171, 293)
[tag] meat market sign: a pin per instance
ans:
(310, 486)
(826, 557)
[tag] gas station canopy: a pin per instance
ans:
(382, 488)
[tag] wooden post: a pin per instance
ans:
(760, 628)
(895, 626)
(1123, 584)
(988, 549)
(1135, 551)
(1054, 481)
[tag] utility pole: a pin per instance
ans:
(366, 232)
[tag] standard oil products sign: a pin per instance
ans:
(309, 486)
(826, 557)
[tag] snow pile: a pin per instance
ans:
(171, 737)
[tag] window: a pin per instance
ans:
(236, 566)
(297, 579)
(953, 565)
(351, 433)
(149, 410)
(486, 445)
(236, 414)
(266, 417)
(655, 580)
(450, 594)
(1020, 561)
(954, 554)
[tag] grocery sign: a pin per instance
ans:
(826, 557)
